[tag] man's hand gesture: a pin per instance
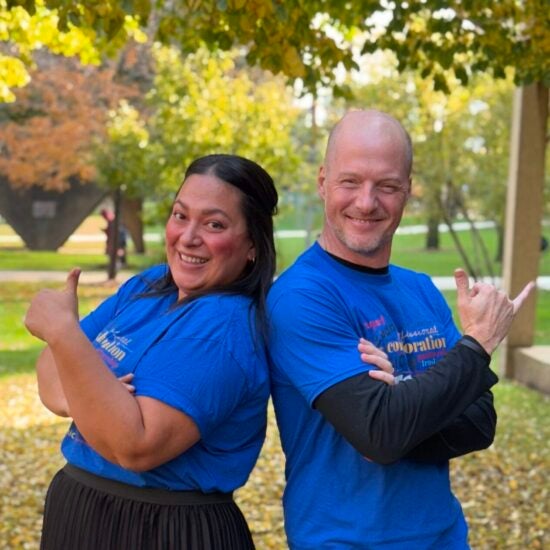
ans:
(485, 312)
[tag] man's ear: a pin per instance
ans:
(321, 178)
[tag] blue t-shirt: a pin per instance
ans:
(334, 497)
(204, 359)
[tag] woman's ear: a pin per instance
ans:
(251, 256)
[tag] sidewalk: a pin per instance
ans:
(86, 277)
(280, 234)
(98, 277)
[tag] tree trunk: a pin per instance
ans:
(478, 244)
(131, 210)
(113, 250)
(432, 237)
(467, 264)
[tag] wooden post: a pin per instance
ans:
(523, 229)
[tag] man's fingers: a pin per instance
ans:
(518, 301)
(382, 376)
(365, 346)
(71, 284)
(377, 361)
(462, 281)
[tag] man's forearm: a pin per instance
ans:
(384, 423)
(473, 430)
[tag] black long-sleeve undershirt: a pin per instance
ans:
(472, 431)
(426, 418)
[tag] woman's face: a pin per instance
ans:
(207, 242)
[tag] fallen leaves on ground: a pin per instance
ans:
(504, 490)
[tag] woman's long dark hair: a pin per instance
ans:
(259, 205)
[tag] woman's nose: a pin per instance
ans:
(190, 235)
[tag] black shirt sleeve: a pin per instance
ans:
(472, 431)
(385, 423)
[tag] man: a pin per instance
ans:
(367, 461)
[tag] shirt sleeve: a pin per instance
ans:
(385, 423)
(473, 430)
(93, 323)
(312, 344)
(196, 376)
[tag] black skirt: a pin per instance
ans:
(86, 512)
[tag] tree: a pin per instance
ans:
(465, 36)
(200, 104)
(33, 26)
(46, 134)
(208, 102)
(309, 40)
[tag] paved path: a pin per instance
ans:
(97, 277)
(87, 277)
(281, 234)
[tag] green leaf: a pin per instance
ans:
(369, 47)
(343, 91)
(440, 83)
(62, 23)
(445, 58)
(426, 71)
(114, 25)
(461, 74)
(498, 72)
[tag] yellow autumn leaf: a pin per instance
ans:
(292, 62)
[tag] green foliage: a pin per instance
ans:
(201, 104)
(122, 158)
(64, 28)
(310, 40)
(30, 27)
(440, 38)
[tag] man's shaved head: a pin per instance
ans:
(354, 121)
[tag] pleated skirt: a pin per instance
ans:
(86, 512)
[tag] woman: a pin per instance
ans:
(155, 469)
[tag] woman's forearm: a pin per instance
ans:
(50, 389)
(137, 433)
(106, 414)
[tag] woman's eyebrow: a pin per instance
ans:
(206, 211)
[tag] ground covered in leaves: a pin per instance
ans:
(504, 490)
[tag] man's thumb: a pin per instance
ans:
(71, 284)
(462, 282)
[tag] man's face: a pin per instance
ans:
(365, 186)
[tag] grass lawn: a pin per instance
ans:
(408, 251)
